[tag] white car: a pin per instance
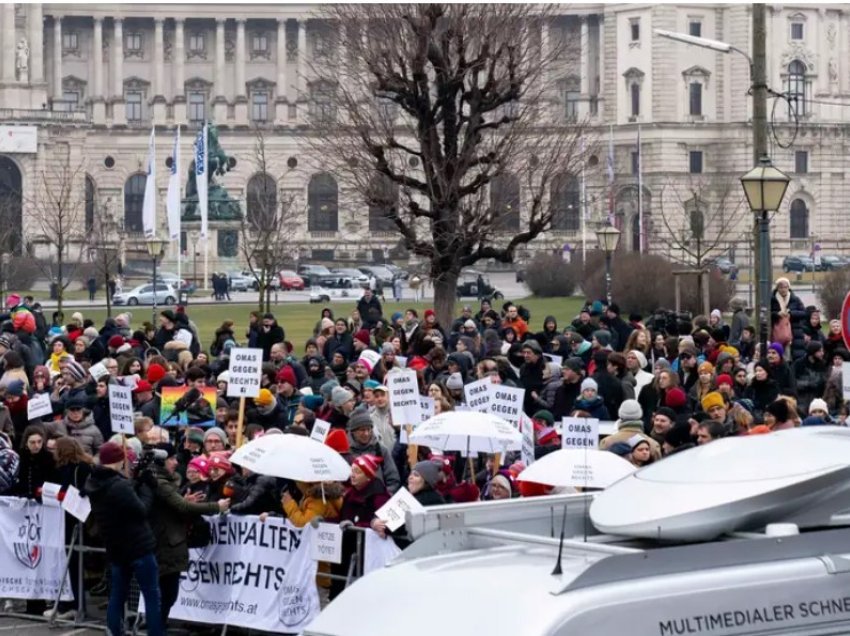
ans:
(326, 294)
(239, 281)
(143, 295)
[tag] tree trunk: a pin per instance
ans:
(60, 291)
(261, 290)
(445, 296)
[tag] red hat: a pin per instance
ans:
(155, 373)
(115, 341)
(286, 374)
(446, 462)
(724, 378)
(675, 398)
(220, 461)
(202, 465)
(532, 489)
(363, 336)
(368, 464)
(429, 312)
(142, 386)
(337, 439)
(110, 453)
(546, 436)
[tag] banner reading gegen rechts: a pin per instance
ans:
(253, 574)
(32, 556)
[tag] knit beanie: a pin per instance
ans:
(110, 453)
(338, 440)
(710, 400)
(369, 359)
(15, 388)
(455, 382)
(265, 398)
(368, 464)
(429, 471)
(503, 482)
(387, 348)
(327, 388)
(667, 412)
(779, 409)
(286, 374)
(589, 383)
(675, 398)
(155, 373)
(603, 337)
(76, 370)
(778, 348)
(359, 418)
(544, 416)
(640, 357)
(725, 378)
(115, 341)
(312, 402)
(215, 431)
(705, 367)
(195, 435)
(818, 405)
(340, 396)
(630, 410)
(200, 464)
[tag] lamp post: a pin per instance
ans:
(6, 258)
(765, 188)
(608, 238)
(155, 247)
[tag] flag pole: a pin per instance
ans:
(583, 210)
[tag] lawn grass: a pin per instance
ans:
(298, 319)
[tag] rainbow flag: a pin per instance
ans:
(168, 402)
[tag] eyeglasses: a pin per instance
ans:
(685, 356)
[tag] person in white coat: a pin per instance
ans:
(635, 362)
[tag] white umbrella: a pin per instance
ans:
(468, 432)
(578, 468)
(292, 457)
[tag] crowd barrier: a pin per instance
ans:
(253, 574)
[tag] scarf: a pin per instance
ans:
(783, 302)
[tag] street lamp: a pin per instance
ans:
(765, 188)
(6, 259)
(608, 238)
(155, 247)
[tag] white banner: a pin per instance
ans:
(254, 575)
(246, 368)
(404, 397)
(32, 559)
(172, 199)
(477, 395)
(121, 409)
(580, 432)
(506, 402)
(39, 405)
(149, 201)
(526, 427)
(201, 183)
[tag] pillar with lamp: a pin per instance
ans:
(608, 238)
(764, 187)
(155, 248)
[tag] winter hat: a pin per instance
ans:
(368, 464)
(23, 321)
(640, 357)
(818, 405)
(712, 399)
(202, 465)
(215, 431)
(115, 341)
(354, 386)
(327, 389)
(76, 370)
(12, 300)
(705, 367)
(547, 435)
(224, 376)
(630, 410)
(469, 324)
(155, 373)
(286, 374)
(429, 312)
(359, 418)
(621, 449)
(574, 363)
(110, 453)
(338, 440)
(725, 378)
(667, 412)
(265, 398)
(397, 315)
(779, 409)
(195, 435)
(312, 402)
(340, 396)
(381, 388)
(813, 420)
(362, 335)
(76, 402)
(715, 313)
(429, 471)
(15, 388)
(778, 348)
(369, 359)
(123, 319)
(589, 383)
(218, 460)
(327, 323)
(544, 416)
(813, 347)
(455, 382)
(636, 440)
(142, 386)
(603, 337)
(503, 481)
(387, 348)
(675, 398)
(662, 364)
(371, 385)
(533, 346)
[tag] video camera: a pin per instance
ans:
(672, 323)
(150, 458)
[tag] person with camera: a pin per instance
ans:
(171, 517)
(121, 510)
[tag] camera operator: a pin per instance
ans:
(121, 509)
(169, 520)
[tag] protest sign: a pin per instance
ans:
(168, 403)
(394, 510)
(39, 405)
(98, 370)
(426, 412)
(320, 431)
(506, 402)
(121, 409)
(526, 427)
(580, 432)
(76, 505)
(32, 550)
(404, 397)
(327, 545)
(477, 395)
(551, 357)
(246, 367)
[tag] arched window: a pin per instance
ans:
(90, 190)
(382, 199)
(322, 204)
(504, 202)
(11, 212)
(796, 88)
(799, 219)
(134, 197)
(262, 202)
(565, 202)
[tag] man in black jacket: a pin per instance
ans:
(370, 309)
(270, 333)
(572, 373)
(121, 509)
(531, 373)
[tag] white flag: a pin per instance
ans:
(201, 153)
(149, 204)
(172, 202)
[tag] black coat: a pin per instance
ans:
(784, 378)
(263, 496)
(565, 399)
(370, 311)
(121, 510)
(762, 394)
(610, 390)
(531, 377)
(343, 343)
(798, 316)
(33, 472)
(265, 339)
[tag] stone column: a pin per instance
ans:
(841, 43)
(301, 79)
(9, 43)
(584, 70)
(601, 94)
(241, 92)
(178, 58)
(97, 96)
(36, 38)
(57, 57)
(119, 117)
(220, 99)
(158, 98)
(281, 106)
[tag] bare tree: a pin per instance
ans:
(103, 243)
(420, 108)
(269, 225)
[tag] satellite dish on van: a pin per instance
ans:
(732, 484)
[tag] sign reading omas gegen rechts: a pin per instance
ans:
(246, 366)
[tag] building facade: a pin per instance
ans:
(87, 82)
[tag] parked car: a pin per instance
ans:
(722, 263)
(354, 274)
(403, 274)
(467, 285)
(240, 282)
(830, 262)
(272, 281)
(383, 275)
(288, 279)
(175, 282)
(311, 273)
(143, 295)
(320, 294)
(798, 264)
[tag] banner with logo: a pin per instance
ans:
(32, 557)
(254, 575)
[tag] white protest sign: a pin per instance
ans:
(506, 402)
(580, 432)
(845, 380)
(426, 412)
(551, 357)
(246, 368)
(50, 494)
(328, 543)
(129, 380)
(527, 430)
(320, 431)
(39, 405)
(404, 397)
(305, 391)
(75, 505)
(392, 512)
(402, 361)
(98, 370)
(477, 395)
(121, 409)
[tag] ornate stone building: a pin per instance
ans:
(87, 81)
